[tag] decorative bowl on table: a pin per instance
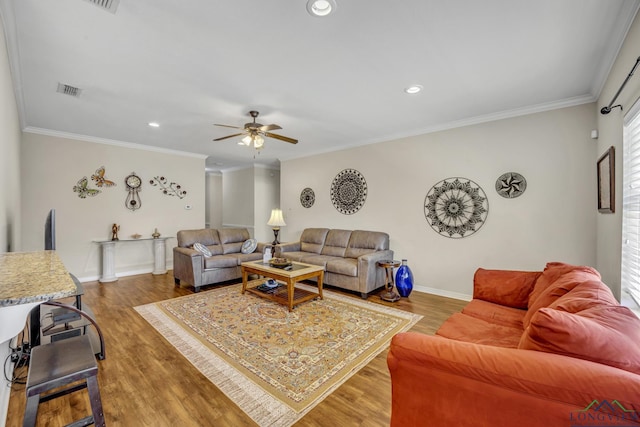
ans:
(279, 262)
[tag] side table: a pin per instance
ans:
(390, 295)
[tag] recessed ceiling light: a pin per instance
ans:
(320, 7)
(411, 90)
(154, 124)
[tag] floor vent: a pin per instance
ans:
(108, 5)
(69, 90)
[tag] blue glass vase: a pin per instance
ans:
(404, 279)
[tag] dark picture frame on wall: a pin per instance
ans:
(606, 181)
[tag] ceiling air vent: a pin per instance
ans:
(108, 5)
(69, 90)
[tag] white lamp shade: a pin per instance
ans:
(276, 219)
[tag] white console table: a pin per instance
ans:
(109, 256)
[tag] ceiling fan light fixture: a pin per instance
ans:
(320, 8)
(246, 140)
(258, 142)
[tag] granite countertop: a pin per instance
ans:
(33, 276)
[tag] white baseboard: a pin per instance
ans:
(122, 274)
(442, 293)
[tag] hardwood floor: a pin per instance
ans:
(144, 381)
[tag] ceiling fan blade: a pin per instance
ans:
(229, 136)
(281, 138)
(228, 126)
(267, 128)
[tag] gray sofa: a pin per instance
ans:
(349, 257)
(225, 244)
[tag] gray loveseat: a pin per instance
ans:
(349, 257)
(225, 245)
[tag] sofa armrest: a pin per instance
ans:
(287, 247)
(261, 246)
(188, 265)
(371, 276)
(464, 384)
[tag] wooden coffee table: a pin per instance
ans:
(288, 295)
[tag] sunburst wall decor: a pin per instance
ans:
(456, 207)
(348, 191)
(511, 185)
(307, 197)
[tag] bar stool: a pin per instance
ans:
(58, 364)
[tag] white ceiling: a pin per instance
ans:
(330, 82)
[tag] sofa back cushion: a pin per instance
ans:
(561, 286)
(232, 239)
(504, 287)
(365, 242)
(336, 242)
(205, 236)
(551, 272)
(586, 295)
(607, 334)
(312, 239)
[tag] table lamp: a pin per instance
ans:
(276, 221)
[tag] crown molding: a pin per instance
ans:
(501, 115)
(96, 140)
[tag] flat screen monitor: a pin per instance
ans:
(50, 231)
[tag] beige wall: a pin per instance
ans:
(609, 226)
(238, 191)
(214, 200)
(267, 197)
(249, 195)
(51, 166)
(10, 222)
(9, 161)
(553, 220)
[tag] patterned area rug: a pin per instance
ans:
(276, 365)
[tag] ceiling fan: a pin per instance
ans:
(255, 132)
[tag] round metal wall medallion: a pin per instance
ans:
(456, 207)
(511, 185)
(348, 191)
(307, 197)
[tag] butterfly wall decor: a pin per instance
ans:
(100, 180)
(84, 191)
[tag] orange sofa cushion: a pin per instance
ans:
(461, 327)
(494, 313)
(604, 334)
(504, 287)
(562, 285)
(552, 271)
(586, 295)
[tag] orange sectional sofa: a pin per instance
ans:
(549, 348)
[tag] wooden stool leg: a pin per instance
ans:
(96, 403)
(31, 411)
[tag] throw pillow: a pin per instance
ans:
(603, 334)
(249, 246)
(202, 249)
